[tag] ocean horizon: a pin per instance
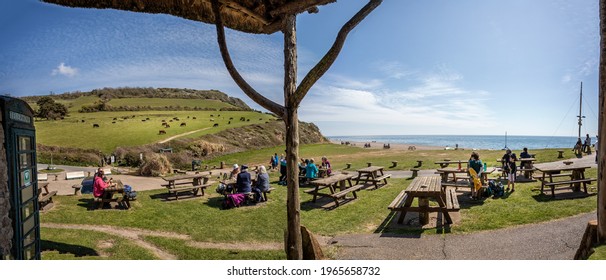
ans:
(490, 142)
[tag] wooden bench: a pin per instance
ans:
(452, 202)
(343, 193)
(99, 201)
(415, 172)
(553, 185)
(398, 202)
(266, 192)
(45, 201)
(194, 189)
(312, 191)
(74, 175)
(77, 189)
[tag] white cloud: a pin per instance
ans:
(566, 78)
(65, 70)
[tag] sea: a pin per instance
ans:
(490, 142)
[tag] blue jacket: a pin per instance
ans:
(311, 170)
(243, 182)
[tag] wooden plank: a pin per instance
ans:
(571, 182)
(398, 200)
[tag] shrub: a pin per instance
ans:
(155, 165)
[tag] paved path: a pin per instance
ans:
(553, 240)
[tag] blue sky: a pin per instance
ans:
(469, 67)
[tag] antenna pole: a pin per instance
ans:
(580, 116)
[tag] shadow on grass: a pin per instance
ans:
(542, 197)
(410, 227)
(166, 197)
(63, 248)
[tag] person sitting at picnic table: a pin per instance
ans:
(243, 180)
(524, 154)
(234, 172)
(578, 147)
(311, 170)
(326, 165)
(476, 164)
(262, 184)
(99, 184)
(302, 164)
(509, 167)
(282, 170)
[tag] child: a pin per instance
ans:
(509, 166)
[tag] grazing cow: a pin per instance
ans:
(164, 124)
(133, 116)
(113, 122)
(115, 119)
(170, 120)
(215, 125)
(247, 120)
(260, 119)
(231, 118)
(167, 126)
(211, 116)
(82, 120)
(242, 119)
(212, 120)
(142, 120)
(188, 117)
(183, 124)
(194, 118)
(161, 132)
(218, 115)
(95, 125)
(147, 119)
(163, 121)
(229, 122)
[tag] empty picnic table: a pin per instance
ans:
(446, 162)
(192, 183)
(424, 188)
(45, 198)
(372, 174)
(574, 177)
(340, 181)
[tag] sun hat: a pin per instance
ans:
(236, 166)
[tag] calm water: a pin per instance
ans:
(470, 142)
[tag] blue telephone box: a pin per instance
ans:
(19, 158)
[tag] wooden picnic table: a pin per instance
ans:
(114, 193)
(45, 197)
(445, 163)
(526, 166)
(342, 182)
(424, 188)
(191, 183)
(574, 176)
(372, 174)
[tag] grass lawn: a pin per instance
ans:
(599, 254)
(202, 219)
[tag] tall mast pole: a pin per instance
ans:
(580, 111)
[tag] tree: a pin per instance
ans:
(293, 96)
(49, 109)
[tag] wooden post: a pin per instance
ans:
(369, 164)
(423, 215)
(294, 249)
(601, 154)
(348, 165)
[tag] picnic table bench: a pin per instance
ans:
(372, 174)
(74, 175)
(574, 177)
(45, 198)
(192, 183)
(340, 181)
(446, 162)
(424, 188)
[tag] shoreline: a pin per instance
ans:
(398, 146)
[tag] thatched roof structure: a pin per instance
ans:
(251, 16)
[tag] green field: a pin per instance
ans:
(134, 131)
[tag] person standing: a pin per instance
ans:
(509, 168)
(587, 145)
(476, 164)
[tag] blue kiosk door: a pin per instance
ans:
(20, 141)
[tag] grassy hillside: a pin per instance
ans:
(127, 130)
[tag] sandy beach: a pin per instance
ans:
(379, 145)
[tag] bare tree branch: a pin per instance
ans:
(329, 58)
(248, 90)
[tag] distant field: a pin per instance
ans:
(72, 132)
(76, 104)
